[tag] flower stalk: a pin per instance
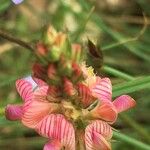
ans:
(16, 40)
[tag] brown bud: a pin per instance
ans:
(76, 52)
(51, 71)
(38, 71)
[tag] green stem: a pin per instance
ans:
(131, 86)
(117, 73)
(131, 141)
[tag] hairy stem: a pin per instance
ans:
(16, 41)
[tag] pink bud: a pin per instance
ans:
(38, 70)
(76, 69)
(51, 71)
(68, 87)
(41, 49)
(85, 95)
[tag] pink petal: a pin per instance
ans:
(41, 93)
(105, 111)
(123, 103)
(101, 127)
(102, 89)
(13, 112)
(85, 94)
(68, 87)
(31, 81)
(57, 127)
(24, 88)
(97, 142)
(52, 145)
(35, 110)
(96, 136)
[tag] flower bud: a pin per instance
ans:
(76, 52)
(38, 71)
(64, 67)
(68, 87)
(51, 35)
(85, 95)
(53, 93)
(54, 54)
(76, 69)
(51, 71)
(60, 40)
(41, 49)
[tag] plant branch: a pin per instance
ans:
(16, 41)
(117, 73)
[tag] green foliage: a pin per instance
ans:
(4, 5)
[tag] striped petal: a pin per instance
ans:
(102, 89)
(68, 87)
(57, 127)
(123, 103)
(24, 89)
(35, 110)
(97, 135)
(101, 127)
(13, 112)
(105, 111)
(52, 145)
(85, 94)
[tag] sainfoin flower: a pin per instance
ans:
(47, 118)
(70, 106)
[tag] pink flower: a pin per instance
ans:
(98, 135)
(66, 102)
(57, 119)
(36, 113)
(107, 109)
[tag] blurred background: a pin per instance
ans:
(120, 27)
